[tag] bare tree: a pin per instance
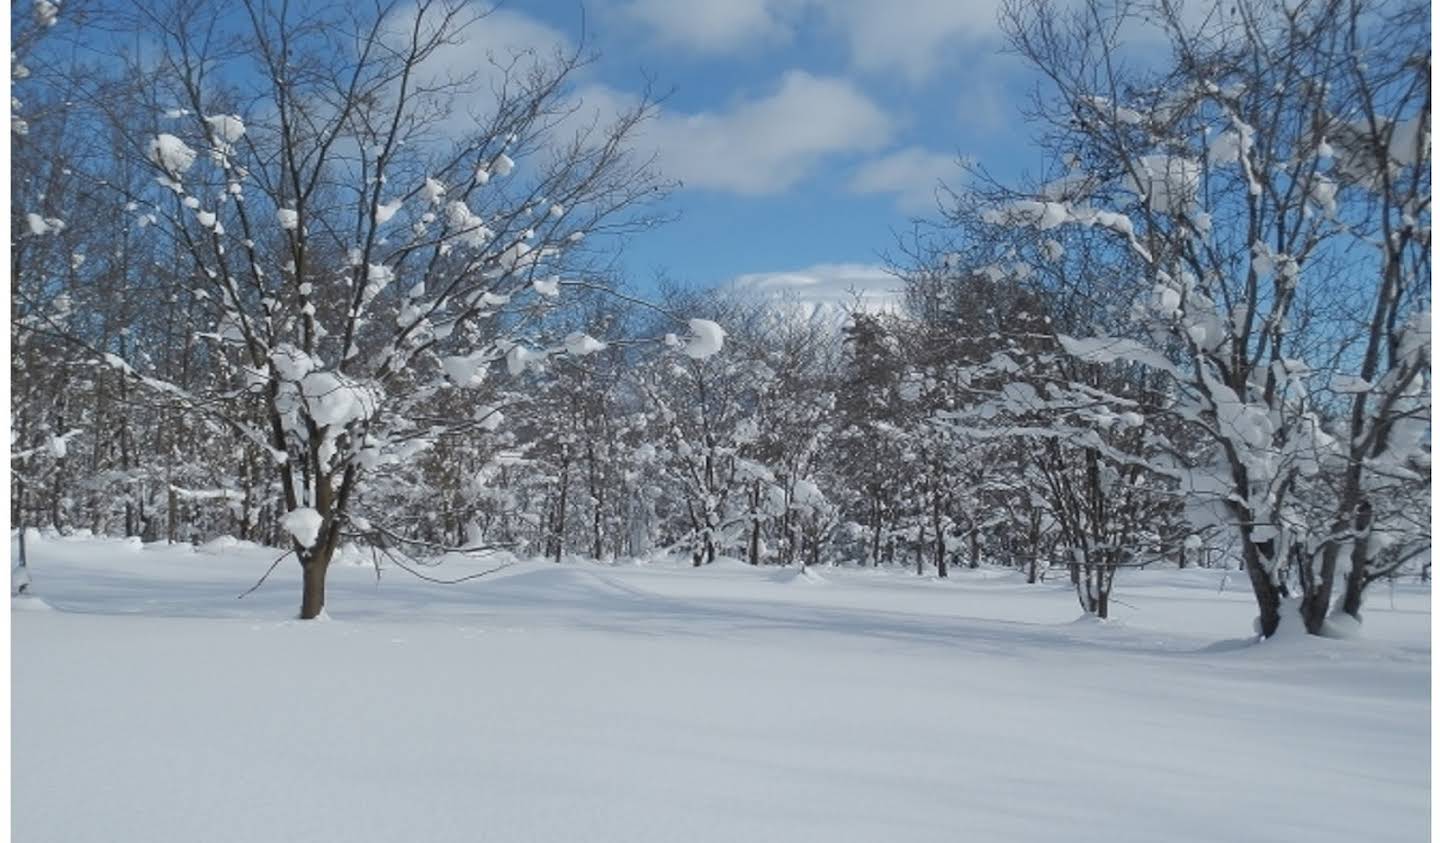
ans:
(359, 257)
(1252, 164)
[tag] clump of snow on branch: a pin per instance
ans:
(705, 340)
(304, 524)
(170, 154)
(384, 212)
(227, 129)
(580, 344)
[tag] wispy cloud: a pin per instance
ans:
(760, 145)
(913, 39)
(768, 144)
(912, 175)
(827, 290)
(715, 26)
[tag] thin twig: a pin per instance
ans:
(266, 576)
(377, 531)
(407, 569)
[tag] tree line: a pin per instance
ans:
(280, 273)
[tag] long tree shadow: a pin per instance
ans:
(565, 597)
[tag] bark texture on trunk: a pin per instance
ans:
(1354, 594)
(1267, 594)
(314, 567)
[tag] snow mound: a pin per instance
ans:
(1093, 620)
(801, 576)
(29, 603)
(225, 544)
(1343, 625)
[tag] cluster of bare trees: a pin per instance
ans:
(1266, 195)
(324, 235)
(281, 275)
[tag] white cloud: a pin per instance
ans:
(827, 291)
(912, 174)
(913, 37)
(760, 145)
(769, 144)
(499, 40)
(713, 26)
(489, 44)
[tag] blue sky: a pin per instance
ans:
(805, 132)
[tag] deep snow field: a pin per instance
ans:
(589, 702)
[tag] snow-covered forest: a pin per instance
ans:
(311, 307)
(279, 276)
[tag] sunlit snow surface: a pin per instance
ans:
(587, 702)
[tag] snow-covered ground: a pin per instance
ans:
(585, 702)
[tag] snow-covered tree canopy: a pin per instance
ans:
(1259, 192)
(279, 275)
(355, 234)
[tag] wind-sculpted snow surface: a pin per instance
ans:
(660, 703)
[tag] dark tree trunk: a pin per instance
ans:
(920, 553)
(1317, 590)
(879, 518)
(755, 524)
(597, 527)
(1354, 593)
(17, 506)
(1359, 563)
(1313, 609)
(705, 553)
(597, 500)
(1267, 594)
(57, 489)
(936, 518)
(1085, 586)
(312, 597)
(561, 506)
(941, 562)
(172, 514)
